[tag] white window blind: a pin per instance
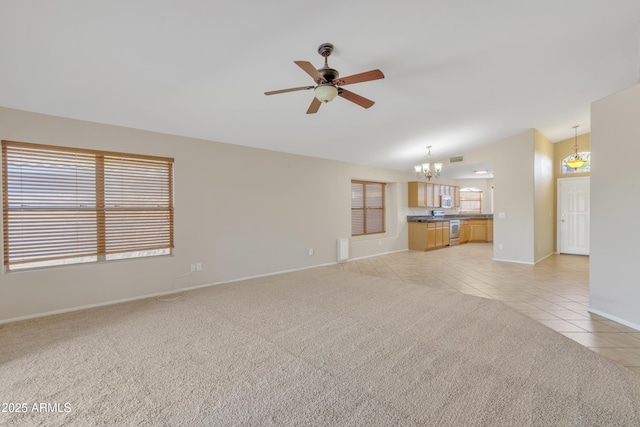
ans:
(72, 204)
(471, 201)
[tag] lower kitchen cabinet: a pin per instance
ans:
(418, 236)
(478, 230)
(425, 236)
(489, 230)
(446, 232)
(465, 231)
(431, 236)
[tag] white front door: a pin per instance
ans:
(573, 215)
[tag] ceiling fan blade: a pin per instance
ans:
(293, 89)
(311, 70)
(355, 98)
(359, 78)
(315, 105)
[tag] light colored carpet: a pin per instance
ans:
(314, 347)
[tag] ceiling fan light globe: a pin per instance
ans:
(326, 92)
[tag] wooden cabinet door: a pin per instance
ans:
(439, 234)
(456, 196)
(478, 230)
(417, 236)
(464, 231)
(431, 235)
(417, 194)
(445, 233)
(436, 195)
(489, 230)
(429, 195)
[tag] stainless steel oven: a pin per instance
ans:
(454, 232)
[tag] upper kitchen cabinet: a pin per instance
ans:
(437, 192)
(429, 199)
(427, 194)
(421, 195)
(417, 194)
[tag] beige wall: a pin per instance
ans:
(240, 211)
(544, 188)
(615, 148)
(513, 195)
(245, 212)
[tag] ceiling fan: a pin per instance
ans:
(329, 84)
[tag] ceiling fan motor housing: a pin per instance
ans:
(328, 73)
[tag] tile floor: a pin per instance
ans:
(555, 292)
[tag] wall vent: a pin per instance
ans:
(455, 159)
(343, 250)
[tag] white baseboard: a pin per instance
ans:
(514, 262)
(375, 255)
(615, 319)
(163, 293)
(545, 257)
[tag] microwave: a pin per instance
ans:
(445, 201)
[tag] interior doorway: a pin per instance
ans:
(573, 215)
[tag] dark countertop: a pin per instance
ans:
(431, 218)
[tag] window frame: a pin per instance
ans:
(126, 211)
(366, 206)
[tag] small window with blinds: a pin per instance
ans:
(471, 200)
(367, 208)
(68, 205)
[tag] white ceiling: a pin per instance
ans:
(459, 73)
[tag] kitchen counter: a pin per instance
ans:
(430, 218)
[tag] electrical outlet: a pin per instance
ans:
(310, 251)
(193, 267)
(199, 266)
(500, 246)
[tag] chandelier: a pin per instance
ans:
(428, 169)
(576, 161)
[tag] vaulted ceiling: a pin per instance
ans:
(458, 74)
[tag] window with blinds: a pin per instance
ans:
(67, 205)
(367, 208)
(471, 200)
